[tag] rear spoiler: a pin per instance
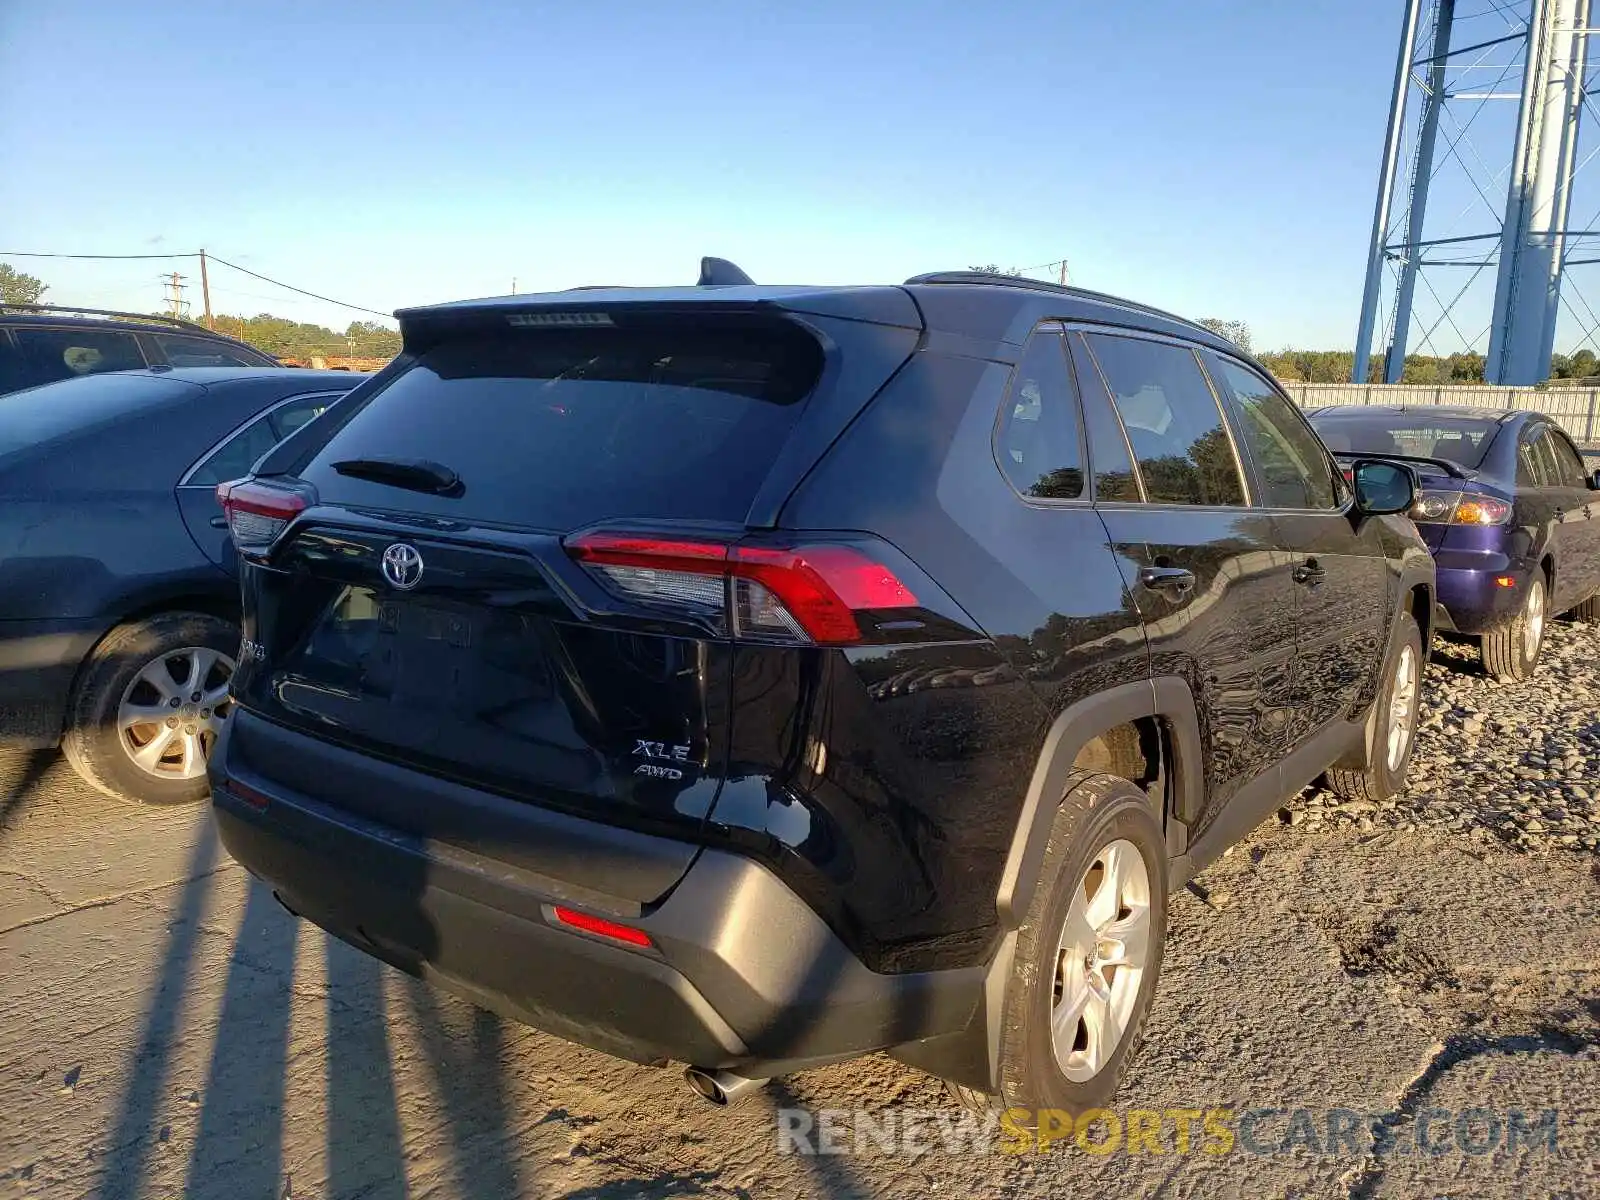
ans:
(1454, 470)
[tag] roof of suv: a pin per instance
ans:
(104, 318)
(963, 302)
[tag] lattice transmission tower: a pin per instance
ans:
(1473, 246)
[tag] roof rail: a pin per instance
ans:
(1060, 289)
(73, 309)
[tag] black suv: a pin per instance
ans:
(43, 343)
(757, 677)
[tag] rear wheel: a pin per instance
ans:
(149, 705)
(1589, 610)
(1511, 652)
(1088, 953)
(1395, 737)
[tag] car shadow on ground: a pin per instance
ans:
(19, 787)
(237, 1149)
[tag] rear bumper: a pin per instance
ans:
(1471, 602)
(741, 973)
(39, 661)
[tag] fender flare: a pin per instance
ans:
(1166, 697)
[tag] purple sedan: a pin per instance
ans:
(1508, 508)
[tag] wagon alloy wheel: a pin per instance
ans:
(1402, 707)
(171, 713)
(1100, 960)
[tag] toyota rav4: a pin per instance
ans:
(757, 677)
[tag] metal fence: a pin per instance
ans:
(1577, 410)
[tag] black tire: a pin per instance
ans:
(1504, 650)
(1589, 610)
(1098, 810)
(1378, 780)
(92, 742)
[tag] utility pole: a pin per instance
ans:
(1063, 272)
(513, 285)
(205, 290)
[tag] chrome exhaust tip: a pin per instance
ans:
(720, 1088)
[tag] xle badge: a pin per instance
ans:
(659, 751)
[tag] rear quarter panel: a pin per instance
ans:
(892, 779)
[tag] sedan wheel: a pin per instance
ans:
(1511, 651)
(173, 710)
(151, 701)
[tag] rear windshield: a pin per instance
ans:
(1459, 440)
(42, 414)
(557, 429)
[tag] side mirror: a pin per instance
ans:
(1383, 487)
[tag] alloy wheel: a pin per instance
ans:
(1402, 707)
(1100, 961)
(1533, 621)
(173, 710)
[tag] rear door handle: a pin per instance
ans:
(1173, 580)
(1309, 572)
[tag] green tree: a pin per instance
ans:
(18, 288)
(1236, 332)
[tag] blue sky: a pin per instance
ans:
(1216, 157)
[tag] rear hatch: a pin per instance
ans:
(428, 608)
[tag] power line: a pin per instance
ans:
(38, 254)
(290, 287)
(220, 261)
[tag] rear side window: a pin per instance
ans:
(1112, 467)
(202, 352)
(1569, 464)
(234, 458)
(54, 354)
(555, 429)
(1036, 441)
(1292, 465)
(1172, 421)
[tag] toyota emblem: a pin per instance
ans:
(402, 566)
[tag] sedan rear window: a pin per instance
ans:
(555, 429)
(1459, 440)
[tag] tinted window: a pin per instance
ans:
(1530, 471)
(1036, 441)
(557, 429)
(1569, 464)
(13, 370)
(1109, 463)
(54, 354)
(1548, 471)
(1460, 440)
(1291, 462)
(1172, 420)
(240, 453)
(202, 352)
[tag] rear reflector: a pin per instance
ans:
(257, 514)
(601, 927)
(793, 594)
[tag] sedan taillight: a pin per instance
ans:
(1458, 508)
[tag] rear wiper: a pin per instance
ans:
(414, 474)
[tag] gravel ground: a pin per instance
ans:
(1515, 762)
(170, 1031)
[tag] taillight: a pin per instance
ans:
(1458, 508)
(789, 594)
(257, 513)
